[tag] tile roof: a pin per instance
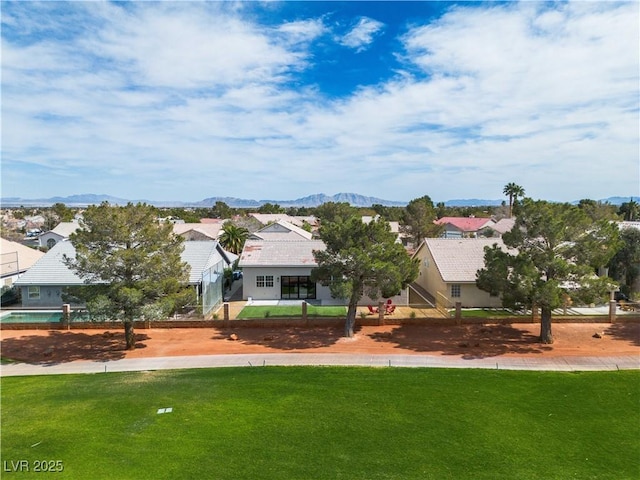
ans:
(282, 230)
(458, 259)
(50, 269)
(465, 224)
(279, 253)
(266, 218)
(211, 230)
(17, 257)
(65, 229)
(202, 255)
(503, 225)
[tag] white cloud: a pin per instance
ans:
(187, 103)
(362, 34)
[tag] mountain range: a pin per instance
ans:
(309, 201)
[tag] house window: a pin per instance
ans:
(34, 293)
(264, 281)
(455, 290)
(51, 243)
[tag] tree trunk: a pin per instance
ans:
(351, 319)
(545, 326)
(129, 335)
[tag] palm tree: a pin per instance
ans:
(233, 237)
(629, 210)
(513, 191)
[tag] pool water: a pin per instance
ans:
(36, 317)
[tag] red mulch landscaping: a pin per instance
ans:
(464, 340)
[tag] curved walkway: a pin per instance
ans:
(567, 363)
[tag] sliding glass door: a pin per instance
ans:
(297, 287)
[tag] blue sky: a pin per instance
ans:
(279, 100)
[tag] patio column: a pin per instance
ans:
(66, 315)
(225, 310)
(381, 310)
(612, 311)
(305, 319)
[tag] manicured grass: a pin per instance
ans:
(487, 313)
(327, 423)
(284, 311)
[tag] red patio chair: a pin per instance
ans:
(372, 310)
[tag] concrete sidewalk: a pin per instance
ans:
(566, 364)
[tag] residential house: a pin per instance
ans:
(44, 283)
(278, 267)
(281, 270)
(16, 260)
(198, 231)
(61, 232)
(463, 227)
(448, 268)
(497, 229)
(299, 221)
(281, 230)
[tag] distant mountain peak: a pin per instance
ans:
(314, 200)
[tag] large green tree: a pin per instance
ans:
(233, 237)
(361, 259)
(222, 210)
(64, 213)
(330, 212)
(132, 261)
(625, 265)
(598, 210)
(513, 191)
(554, 248)
(418, 218)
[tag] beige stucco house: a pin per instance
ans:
(448, 268)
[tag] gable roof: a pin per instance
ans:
(503, 225)
(261, 253)
(459, 259)
(51, 270)
(201, 255)
(466, 224)
(65, 229)
(266, 218)
(281, 230)
(211, 230)
(16, 257)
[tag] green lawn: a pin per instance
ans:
(286, 311)
(486, 313)
(326, 423)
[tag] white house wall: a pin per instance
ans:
(44, 238)
(249, 288)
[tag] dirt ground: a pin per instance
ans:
(467, 341)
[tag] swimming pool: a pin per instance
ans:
(49, 316)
